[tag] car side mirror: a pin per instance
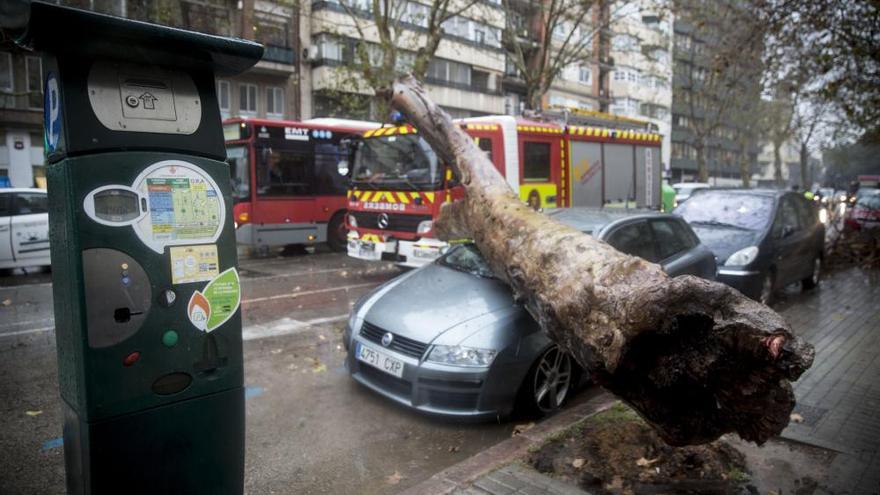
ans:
(444, 249)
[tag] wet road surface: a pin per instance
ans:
(310, 427)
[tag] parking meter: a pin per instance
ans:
(146, 288)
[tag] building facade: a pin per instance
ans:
(641, 84)
(728, 141)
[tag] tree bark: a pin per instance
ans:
(695, 358)
(806, 182)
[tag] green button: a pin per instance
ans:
(170, 338)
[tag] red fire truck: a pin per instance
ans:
(289, 179)
(398, 186)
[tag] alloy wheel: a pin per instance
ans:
(552, 380)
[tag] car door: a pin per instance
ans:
(6, 257)
(30, 228)
(787, 238)
(678, 250)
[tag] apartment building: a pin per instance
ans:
(728, 144)
(269, 90)
(464, 76)
(641, 83)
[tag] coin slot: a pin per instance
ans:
(172, 383)
(123, 315)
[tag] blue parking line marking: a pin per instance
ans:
(250, 392)
(52, 444)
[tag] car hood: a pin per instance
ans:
(725, 241)
(435, 299)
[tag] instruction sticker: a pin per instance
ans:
(194, 263)
(216, 303)
(183, 205)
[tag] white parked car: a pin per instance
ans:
(683, 190)
(24, 228)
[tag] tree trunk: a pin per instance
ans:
(806, 182)
(702, 165)
(695, 358)
(777, 163)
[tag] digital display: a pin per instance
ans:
(234, 131)
(116, 205)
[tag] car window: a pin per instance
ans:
(5, 205)
(871, 202)
(467, 258)
(787, 216)
(726, 209)
(670, 238)
(807, 213)
(634, 239)
(30, 203)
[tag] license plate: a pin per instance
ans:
(379, 360)
(368, 251)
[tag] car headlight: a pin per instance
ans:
(742, 257)
(425, 227)
(457, 355)
(352, 221)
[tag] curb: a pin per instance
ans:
(463, 474)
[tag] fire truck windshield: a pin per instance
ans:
(405, 161)
(240, 176)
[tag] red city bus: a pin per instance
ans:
(289, 180)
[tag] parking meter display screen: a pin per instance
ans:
(116, 205)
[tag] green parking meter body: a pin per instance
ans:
(145, 281)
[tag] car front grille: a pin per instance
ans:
(452, 400)
(389, 383)
(403, 345)
(396, 221)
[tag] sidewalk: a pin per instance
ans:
(838, 398)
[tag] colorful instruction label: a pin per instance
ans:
(182, 208)
(194, 263)
(216, 303)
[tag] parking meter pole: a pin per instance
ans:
(145, 279)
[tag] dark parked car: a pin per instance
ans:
(865, 214)
(763, 240)
(449, 339)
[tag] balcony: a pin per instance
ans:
(279, 54)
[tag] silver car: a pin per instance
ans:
(449, 339)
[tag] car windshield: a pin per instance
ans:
(743, 211)
(871, 202)
(466, 258)
(240, 176)
(405, 161)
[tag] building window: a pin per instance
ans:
(247, 99)
(625, 42)
(275, 102)
(34, 69)
(625, 106)
(6, 71)
(585, 74)
(536, 162)
(223, 97)
(441, 71)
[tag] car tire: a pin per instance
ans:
(812, 281)
(337, 233)
(766, 295)
(549, 383)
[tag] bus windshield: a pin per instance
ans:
(396, 161)
(239, 171)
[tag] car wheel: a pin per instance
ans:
(549, 383)
(766, 296)
(337, 233)
(813, 280)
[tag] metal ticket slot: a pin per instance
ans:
(144, 263)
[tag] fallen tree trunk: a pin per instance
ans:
(695, 358)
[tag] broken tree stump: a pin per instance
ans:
(695, 358)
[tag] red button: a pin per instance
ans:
(131, 359)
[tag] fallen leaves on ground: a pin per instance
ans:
(33, 413)
(394, 478)
(454, 449)
(7, 302)
(578, 463)
(797, 418)
(520, 429)
(642, 462)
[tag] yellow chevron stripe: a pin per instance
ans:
(404, 130)
(430, 197)
(402, 197)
